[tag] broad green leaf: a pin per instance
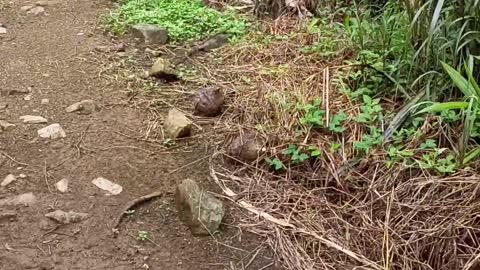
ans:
(462, 84)
(439, 107)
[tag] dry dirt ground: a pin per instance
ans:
(50, 56)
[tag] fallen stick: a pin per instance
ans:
(132, 204)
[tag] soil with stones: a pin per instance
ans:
(46, 64)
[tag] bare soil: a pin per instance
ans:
(50, 55)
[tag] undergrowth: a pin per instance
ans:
(184, 19)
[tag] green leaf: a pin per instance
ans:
(314, 152)
(276, 164)
(466, 87)
(444, 106)
(428, 144)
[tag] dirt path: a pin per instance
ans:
(49, 56)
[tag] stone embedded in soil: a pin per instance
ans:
(83, 107)
(214, 42)
(18, 91)
(150, 34)
(244, 147)
(26, 199)
(153, 53)
(26, 8)
(3, 105)
(27, 97)
(8, 180)
(163, 69)
(38, 10)
(33, 119)
(54, 131)
(7, 215)
(4, 125)
(198, 210)
(3, 30)
(66, 217)
(45, 101)
(107, 185)
(177, 125)
(62, 185)
(209, 102)
(44, 3)
(121, 47)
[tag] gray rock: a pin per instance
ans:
(245, 147)
(4, 125)
(44, 3)
(197, 209)
(33, 119)
(83, 107)
(26, 199)
(54, 131)
(3, 30)
(8, 180)
(153, 53)
(163, 69)
(107, 185)
(26, 8)
(177, 125)
(4, 215)
(62, 185)
(209, 102)
(66, 217)
(36, 10)
(150, 34)
(18, 91)
(212, 43)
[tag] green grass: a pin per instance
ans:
(184, 19)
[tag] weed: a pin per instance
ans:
(368, 141)
(295, 155)
(142, 236)
(184, 19)
(370, 111)
(314, 152)
(275, 164)
(313, 115)
(335, 124)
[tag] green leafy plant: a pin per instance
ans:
(396, 154)
(428, 144)
(334, 147)
(275, 164)
(295, 155)
(184, 19)
(368, 141)
(335, 124)
(314, 152)
(370, 111)
(313, 115)
(444, 165)
(142, 236)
